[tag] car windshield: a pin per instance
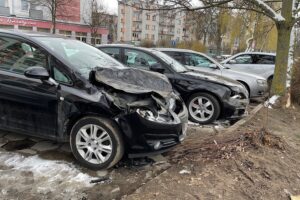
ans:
(83, 57)
(178, 67)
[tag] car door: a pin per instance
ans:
(200, 63)
(264, 65)
(26, 105)
(243, 63)
(138, 59)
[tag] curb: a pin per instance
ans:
(246, 119)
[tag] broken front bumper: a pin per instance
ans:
(235, 108)
(145, 137)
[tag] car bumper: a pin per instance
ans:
(144, 137)
(235, 108)
(259, 91)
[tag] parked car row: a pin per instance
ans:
(136, 102)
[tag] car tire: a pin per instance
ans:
(210, 108)
(96, 143)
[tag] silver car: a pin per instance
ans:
(258, 63)
(257, 86)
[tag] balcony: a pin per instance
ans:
(4, 11)
(137, 19)
(136, 30)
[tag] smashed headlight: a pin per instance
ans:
(160, 118)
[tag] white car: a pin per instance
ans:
(258, 63)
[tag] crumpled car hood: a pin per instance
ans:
(134, 81)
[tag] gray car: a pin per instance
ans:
(257, 86)
(258, 63)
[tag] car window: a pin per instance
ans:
(58, 74)
(265, 59)
(176, 55)
(113, 52)
(139, 59)
(196, 60)
(16, 56)
(244, 59)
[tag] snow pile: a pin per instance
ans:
(271, 101)
(49, 175)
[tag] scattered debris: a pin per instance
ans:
(102, 180)
(184, 171)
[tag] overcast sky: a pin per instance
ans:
(112, 5)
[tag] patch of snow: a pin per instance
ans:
(271, 101)
(52, 173)
(277, 17)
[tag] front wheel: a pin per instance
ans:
(96, 143)
(203, 108)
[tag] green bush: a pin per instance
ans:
(192, 45)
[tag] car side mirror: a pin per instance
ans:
(37, 73)
(232, 62)
(213, 66)
(157, 68)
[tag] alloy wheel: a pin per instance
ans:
(201, 108)
(94, 144)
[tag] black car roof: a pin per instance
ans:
(30, 34)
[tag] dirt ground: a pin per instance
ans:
(246, 164)
(212, 163)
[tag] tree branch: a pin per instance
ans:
(268, 10)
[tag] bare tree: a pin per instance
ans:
(57, 9)
(97, 17)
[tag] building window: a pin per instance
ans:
(122, 11)
(153, 37)
(96, 39)
(81, 36)
(25, 28)
(147, 36)
(65, 33)
(6, 26)
(147, 27)
(44, 30)
(154, 18)
(148, 17)
(24, 5)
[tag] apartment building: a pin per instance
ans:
(25, 16)
(136, 24)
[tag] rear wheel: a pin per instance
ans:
(96, 143)
(203, 108)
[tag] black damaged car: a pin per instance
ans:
(208, 97)
(64, 90)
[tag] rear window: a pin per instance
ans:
(265, 59)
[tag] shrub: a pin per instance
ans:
(147, 43)
(295, 84)
(193, 45)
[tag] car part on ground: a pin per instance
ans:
(64, 90)
(228, 95)
(257, 86)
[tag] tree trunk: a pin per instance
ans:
(54, 25)
(283, 46)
